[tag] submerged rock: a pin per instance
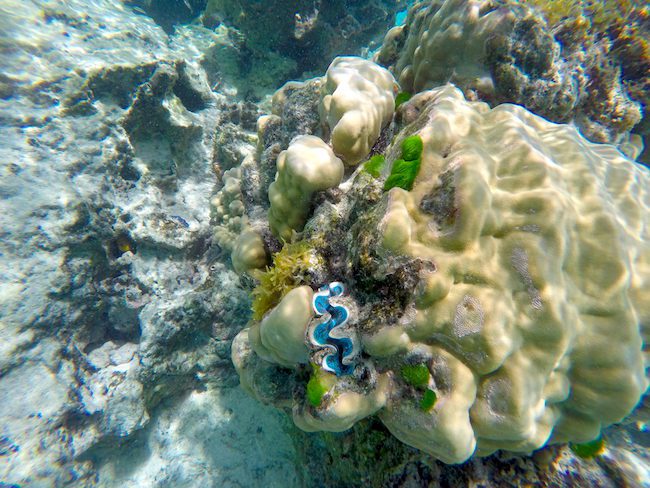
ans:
(309, 33)
(113, 298)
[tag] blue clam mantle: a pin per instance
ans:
(327, 334)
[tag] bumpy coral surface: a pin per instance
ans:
(248, 252)
(358, 100)
(228, 210)
(540, 244)
(515, 272)
(443, 41)
(307, 166)
(566, 71)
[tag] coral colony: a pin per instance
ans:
(491, 255)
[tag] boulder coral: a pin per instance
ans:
(358, 101)
(564, 68)
(540, 243)
(515, 272)
(307, 166)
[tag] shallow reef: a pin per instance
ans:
(481, 292)
(426, 261)
(488, 269)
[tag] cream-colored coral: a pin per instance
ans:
(307, 166)
(343, 408)
(228, 210)
(248, 252)
(530, 302)
(446, 430)
(244, 359)
(256, 375)
(445, 43)
(358, 100)
(281, 336)
(541, 247)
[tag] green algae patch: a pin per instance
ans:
(412, 148)
(406, 169)
(318, 385)
(416, 375)
(588, 450)
(402, 97)
(428, 400)
(402, 175)
(374, 165)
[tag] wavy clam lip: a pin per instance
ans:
(327, 334)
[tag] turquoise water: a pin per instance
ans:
(400, 18)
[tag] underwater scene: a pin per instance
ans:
(324, 243)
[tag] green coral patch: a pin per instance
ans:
(405, 170)
(416, 374)
(428, 400)
(412, 148)
(402, 97)
(318, 385)
(374, 165)
(588, 449)
(402, 175)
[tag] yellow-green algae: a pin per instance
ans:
(318, 385)
(602, 13)
(289, 269)
(587, 450)
(374, 165)
(416, 375)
